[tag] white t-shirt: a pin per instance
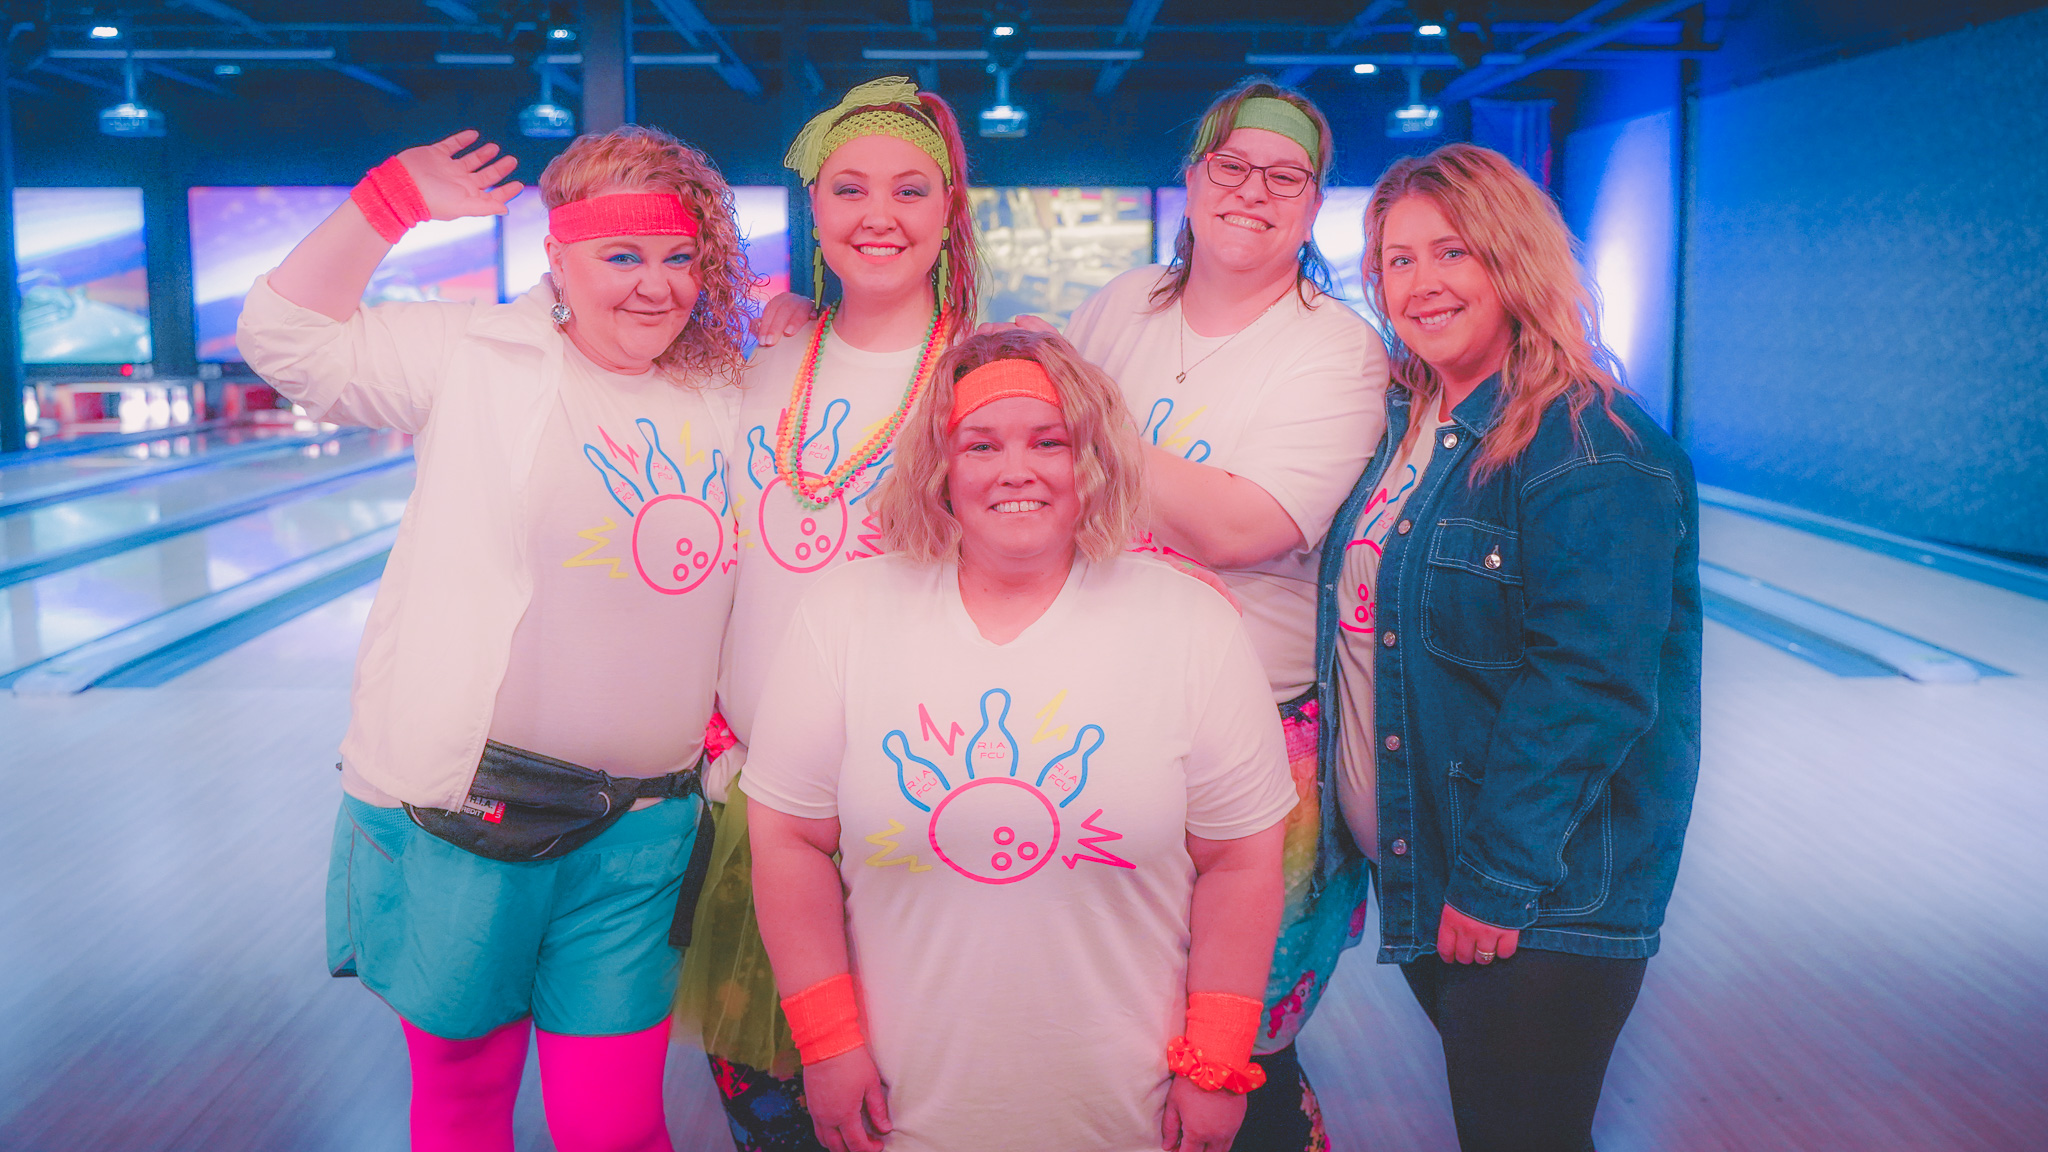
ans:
(1013, 823)
(615, 663)
(1357, 762)
(785, 547)
(1291, 402)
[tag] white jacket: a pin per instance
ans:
(475, 385)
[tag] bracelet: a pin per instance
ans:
(824, 1019)
(390, 200)
(1184, 1059)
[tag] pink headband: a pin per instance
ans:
(622, 214)
(1000, 380)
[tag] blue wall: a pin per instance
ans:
(1621, 200)
(1866, 288)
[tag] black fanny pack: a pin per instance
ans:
(525, 807)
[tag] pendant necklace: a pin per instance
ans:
(817, 493)
(1181, 377)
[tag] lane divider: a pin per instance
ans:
(1788, 618)
(103, 441)
(97, 660)
(145, 474)
(36, 567)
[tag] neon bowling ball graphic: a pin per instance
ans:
(800, 539)
(996, 830)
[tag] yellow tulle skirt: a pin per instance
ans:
(727, 990)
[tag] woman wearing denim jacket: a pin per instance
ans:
(1510, 624)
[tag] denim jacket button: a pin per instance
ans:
(1393, 743)
(1387, 639)
(1493, 559)
(1450, 440)
(1400, 847)
(1404, 526)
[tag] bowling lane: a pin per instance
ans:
(39, 532)
(24, 474)
(42, 617)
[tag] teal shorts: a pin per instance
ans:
(460, 945)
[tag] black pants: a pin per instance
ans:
(1526, 1043)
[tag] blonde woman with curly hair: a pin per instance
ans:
(1017, 796)
(519, 773)
(1511, 638)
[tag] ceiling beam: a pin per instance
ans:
(76, 77)
(1480, 81)
(365, 76)
(689, 20)
(1360, 28)
(460, 13)
(1137, 25)
(186, 78)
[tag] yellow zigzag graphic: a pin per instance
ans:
(583, 559)
(886, 841)
(1045, 715)
(1180, 436)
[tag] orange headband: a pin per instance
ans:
(622, 214)
(1000, 380)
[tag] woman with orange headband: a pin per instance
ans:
(537, 672)
(886, 171)
(1017, 796)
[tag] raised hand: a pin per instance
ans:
(465, 185)
(785, 315)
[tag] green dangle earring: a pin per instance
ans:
(817, 270)
(945, 266)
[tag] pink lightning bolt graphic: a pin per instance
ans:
(1094, 845)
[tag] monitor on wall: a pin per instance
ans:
(1046, 249)
(762, 214)
(240, 233)
(1339, 234)
(81, 266)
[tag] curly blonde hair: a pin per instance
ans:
(712, 345)
(1109, 466)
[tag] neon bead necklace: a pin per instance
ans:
(818, 494)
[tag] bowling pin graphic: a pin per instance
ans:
(662, 473)
(760, 457)
(1067, 773)
(714, 491)
(919, 778)
(993, 751)
(622, 489)
(821, 451)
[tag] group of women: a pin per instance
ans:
(1044, 826)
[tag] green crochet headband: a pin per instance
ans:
(857, 115)
(1272, 114)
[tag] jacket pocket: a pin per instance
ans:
(1588, 864)
(1472, 595)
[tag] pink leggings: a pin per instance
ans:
(603, 1093)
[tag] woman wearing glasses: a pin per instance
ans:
(1260, 400)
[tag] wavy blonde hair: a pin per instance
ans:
(1515, 231)
(1109, 468)
(711, 345)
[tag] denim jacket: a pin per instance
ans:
(1536, 697)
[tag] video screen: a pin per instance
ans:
(1339, 232)
(762, 213)
(1047, 249)
(240, 233)
(81, 266)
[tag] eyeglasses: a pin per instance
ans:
(1284, 180)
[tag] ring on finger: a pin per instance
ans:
(1484, 957)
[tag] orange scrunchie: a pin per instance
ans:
(1216, 1052)
(824, 1019)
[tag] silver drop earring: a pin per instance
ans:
(560, 313)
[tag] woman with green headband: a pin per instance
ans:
(886, 173)
(1261, 400)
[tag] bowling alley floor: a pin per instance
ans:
(1854, 958)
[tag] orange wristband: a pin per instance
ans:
(824, 1019)
(1216, 1052)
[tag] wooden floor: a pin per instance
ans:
(1856, 958)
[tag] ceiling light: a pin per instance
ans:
(1004, 30)
(104, 32)
(130, 118)
(1365, 69)
(227, 69)
(545, 119)
(1430, 30)
(561, 33)
(1003, 120)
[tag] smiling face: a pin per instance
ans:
(1247, 228)
(1010, 480)
(880, 208)
(629, 296)
(1441, 301)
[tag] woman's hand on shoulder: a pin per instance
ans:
(1025, 322)
(785, 315)
(848, 1104)
(468, 185)
(1199, 1121)
(1462, 940)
